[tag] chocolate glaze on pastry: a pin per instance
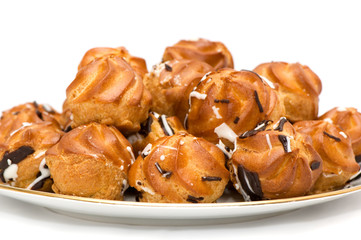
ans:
(91, 161)
(335, 148)
(108, 91)
(170, 84)
(138, 64)
(276, 162)
(238, 100)
(299, 88)
(349, 120)
(215, 54)
(179, 169)
(23, 157)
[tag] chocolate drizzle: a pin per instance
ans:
(168, 68)
(146, 127)
(163, 122)
(285, 142)
(250, 183)
(221, 100)
(281, 123)
(164, 173)
(261, 126)
(331, 136)
(38, 113)
(315, 165)
(258, 101)
(211, 179)
(15, 157)
(193, 199)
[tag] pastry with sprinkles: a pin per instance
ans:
(274, 161)
(299, 88)
(156, 126)
(91, 161)
(110, 92)
(23, 159)
(227, 103)
(215, 54)
(170, 84)
(24, 115)
(179, 169)
(138, 64)
(349, 120)
(335, 149)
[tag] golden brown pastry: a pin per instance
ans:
(335, 149)
(349, 120)
(156, 126)
(22, 160)
(299, 88)
(91, 161)
(215, 54)
(23, 115)
(171, 82)
(230, 99)
(110, 92)
(179, 169)
(274, 161)
(138, 64)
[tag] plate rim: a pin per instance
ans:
(180, 205)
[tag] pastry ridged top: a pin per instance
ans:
(278, 161)
(214, 53)
(333, 145)
(238, 98)
(106, 79)
(173, 168)
(25, 114)
(98, 141)
(171, 82)
(138, 64)
(349, 120)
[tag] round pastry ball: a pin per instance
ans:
(171, 82)
(180, 169)
(215, 54)
(335, 149)
(274, 161)
(299, 88)
(23, 115)
(23, 157)
(110, 92)
(138, 64)
(235, 99)
(156, 126)
(349, 120)
(91, 161)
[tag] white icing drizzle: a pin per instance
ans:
(166, 125)
(288, 144)
(45, 173)
(40, 154)
(216, 112)
(11, 172)
(24, 124)
(238, 186)
(147, 190)
(268, 141)
(147, 150)
(168, 147)
(185, 120)
(131, 154)
(224, 131)
(162, 158)
(198, 95)
(268, 82)
(329, 120)
(47, 108)
(222, 147)
(205, 76)
(125, 186)
(156, 114)
(343, 134)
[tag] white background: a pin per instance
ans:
(42, 42)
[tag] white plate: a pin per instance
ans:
(130, 212)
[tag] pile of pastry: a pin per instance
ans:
(181, 132)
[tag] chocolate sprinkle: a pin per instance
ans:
(168, 68)
(331, 136)
(221, 100)
(193, 199)
(236, 120)
(282, 122)
(258, 101)
(257, 129)
(15, 156)
(315, 165)
(283, 140)
(210, 179)
(250, 183)
(164, 173)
